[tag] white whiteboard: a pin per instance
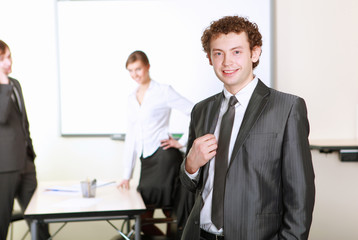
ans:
(96, 37)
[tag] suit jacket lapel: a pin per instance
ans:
(213, 113)
(20, 109)
(17, 101)
(213, 110)
(21, 99)
(257, 103)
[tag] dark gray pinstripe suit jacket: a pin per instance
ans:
(15, 140)
(269, 189)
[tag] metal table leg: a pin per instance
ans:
(137, 227)
(34, 229)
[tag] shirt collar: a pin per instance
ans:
(244, 95)
(151, 85)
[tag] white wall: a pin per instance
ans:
(316, 59)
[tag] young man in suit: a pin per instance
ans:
(17, 169)
(248, 158)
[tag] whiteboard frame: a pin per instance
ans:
(121, 135)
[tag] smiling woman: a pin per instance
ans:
(94, 45)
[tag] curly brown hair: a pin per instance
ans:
(234, 24)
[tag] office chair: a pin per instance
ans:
(16, 216)
(170, 221)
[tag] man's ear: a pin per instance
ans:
(256, 53)
(208, 56)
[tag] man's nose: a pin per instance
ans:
(227, 60)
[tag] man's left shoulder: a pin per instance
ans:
(284, 97)
(14, 81)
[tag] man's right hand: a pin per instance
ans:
(202, 150)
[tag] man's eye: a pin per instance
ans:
(237, 52)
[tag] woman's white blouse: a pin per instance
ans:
(148, 123)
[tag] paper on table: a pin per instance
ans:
(77, 203)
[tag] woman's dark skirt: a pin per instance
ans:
(158, 182)
(160, 186)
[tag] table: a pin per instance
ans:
(62, 202)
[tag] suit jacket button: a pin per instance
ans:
(196, 222)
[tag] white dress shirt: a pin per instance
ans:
(243, 97)
(148, 123)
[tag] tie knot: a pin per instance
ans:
(233, 100)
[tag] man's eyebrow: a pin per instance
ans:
(237, 47)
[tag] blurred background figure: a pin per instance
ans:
(17, 168)
(147, 137)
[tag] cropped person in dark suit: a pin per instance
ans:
(17, 169)
(254, 180)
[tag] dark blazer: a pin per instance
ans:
(269, 189)
(15, 141)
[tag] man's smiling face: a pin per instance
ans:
(232, 59)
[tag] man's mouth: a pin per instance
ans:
(229, 71)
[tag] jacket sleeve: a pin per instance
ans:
(297, 175)
(5, 101)
(190, 184)
(30, 149)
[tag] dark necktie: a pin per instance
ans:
(221, 163)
